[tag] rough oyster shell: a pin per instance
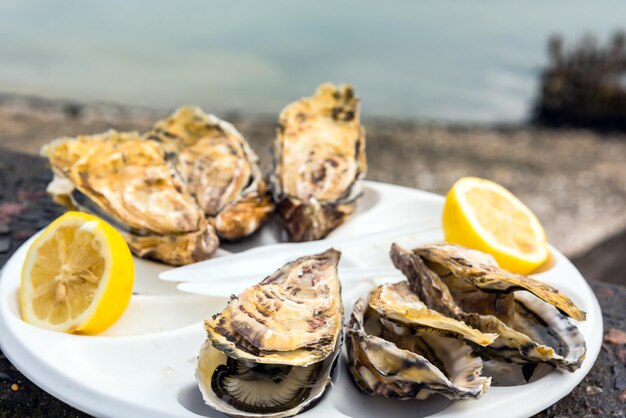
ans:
(219, 168)
(468, 286)
(272, 350)
(399, 358)
(319, 157)
(127, 181)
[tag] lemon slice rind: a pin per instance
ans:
(468, 183)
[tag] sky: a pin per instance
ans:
(451, 60)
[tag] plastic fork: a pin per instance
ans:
(261, 261)
(235, 285)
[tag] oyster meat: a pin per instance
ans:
(319, 158)
(128, 182)
(398, 348)
(219, 168)
(533, 326)
(271, 352)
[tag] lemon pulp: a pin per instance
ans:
(77, 277)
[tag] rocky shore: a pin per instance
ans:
(574, 180)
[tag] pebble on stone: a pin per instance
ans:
(615, 336)
(5, 244)
(5, 229)
(605, 292)
(593, 390)
(31, 195)
(620, 353)
(15, 387)
(23, 234)
(8, 210)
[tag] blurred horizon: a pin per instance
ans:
(456, 61)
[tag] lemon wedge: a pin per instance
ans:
(483, 215)
(77, 277)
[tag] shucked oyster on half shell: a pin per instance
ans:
(127, 181)
(271, 352)
(219, 168)
(319, 158)
(533, 326)
(398, 348)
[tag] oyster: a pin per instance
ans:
(319, 158)
(397, 303)
(219, 168)
(127, 181)
(397, 348)
(468, 285)
(270, 353)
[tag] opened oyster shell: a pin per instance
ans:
(397, 348)
(270, 353)
(319, 158)
(468, 285)
(219, 168)
(128, 182)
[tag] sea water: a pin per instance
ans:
(461, 60)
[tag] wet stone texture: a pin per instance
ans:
(25, 208)
(602, 393)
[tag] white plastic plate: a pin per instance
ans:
(144, 365)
